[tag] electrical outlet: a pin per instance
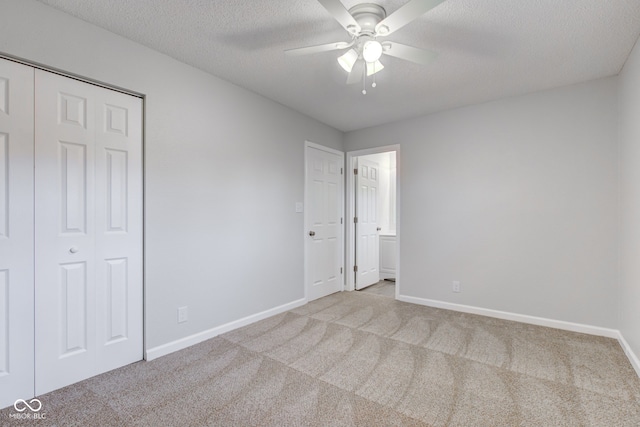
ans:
(183, 314)
(455, 286)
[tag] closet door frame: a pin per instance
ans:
(29, 388)
(88, 231)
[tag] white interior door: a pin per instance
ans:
(324, 201)
(88, 227)
(16, 232)
(367, 228)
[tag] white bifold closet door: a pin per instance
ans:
(88, 230)
(70, 231)
(16, 232)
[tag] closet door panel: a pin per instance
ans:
(118, 228)
(16, 232)
(65, 228)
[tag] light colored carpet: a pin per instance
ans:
(359, 359)
(383, 288)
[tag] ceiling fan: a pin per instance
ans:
(367, 23)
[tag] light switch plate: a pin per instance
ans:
(299, 207)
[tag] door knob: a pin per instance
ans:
(312, 233)
(378, 228)
(73, 249)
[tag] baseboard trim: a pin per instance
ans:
(182, 343)
(533, 320)
(523, 318)
(162, 350)
(633, 358)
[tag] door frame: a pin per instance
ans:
(350, 234)
(307, 221)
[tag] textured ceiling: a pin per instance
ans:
(486, 49)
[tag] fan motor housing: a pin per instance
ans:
(368, 15)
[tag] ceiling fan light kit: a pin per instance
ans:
(374, 67)
(365, 23)
(347, 60)
(371, 51)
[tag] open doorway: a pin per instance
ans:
(373, 220)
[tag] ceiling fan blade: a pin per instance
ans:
(341, 14)
(407, 13)
(356, 74)
(408, 53)
(319, 48)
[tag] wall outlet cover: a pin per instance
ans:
(183, 314)
(455, 286)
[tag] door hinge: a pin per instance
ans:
(355, 268)
(340, 220)
(340, 270)
(355, 219)
(340, 171)
(355, 171)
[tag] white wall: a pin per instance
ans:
(223, 170)
(517, 199)
(629, 89)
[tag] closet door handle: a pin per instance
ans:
(73, 249)
(312, 233)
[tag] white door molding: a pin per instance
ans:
(350, 231)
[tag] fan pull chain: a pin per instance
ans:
(364, 80)
(374, 84)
